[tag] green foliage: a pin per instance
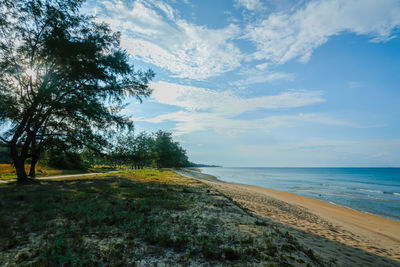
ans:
(61, 250)
(66, 161)
(63, 78)
(141, 150)
(168, 153)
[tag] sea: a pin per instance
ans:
(371, 190)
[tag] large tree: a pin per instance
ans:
(63, 78)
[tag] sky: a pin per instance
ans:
(278, 83)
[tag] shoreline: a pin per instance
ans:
(368, 232)
(196, 173)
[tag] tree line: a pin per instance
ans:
(125, 150)
(151, 150)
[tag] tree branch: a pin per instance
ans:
(4, 140)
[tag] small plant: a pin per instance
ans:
(272, 249)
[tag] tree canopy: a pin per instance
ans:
(156, 150)
(63, 78)
(168, 153)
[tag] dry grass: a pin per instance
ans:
(7, 171)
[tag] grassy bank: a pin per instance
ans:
(136, 218)
(7, 171)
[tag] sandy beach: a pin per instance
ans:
(354, 238)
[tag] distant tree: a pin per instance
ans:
(63, 78)
(129, 149)
(168, 153)
(142, 152)
(181, 159)
(121, 148)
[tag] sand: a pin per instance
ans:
(354, 238)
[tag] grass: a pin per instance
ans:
(137, 217)
(7, 171)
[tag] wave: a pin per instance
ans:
(335, 186)
(341, 190)
(380, 192)
(371, 191)
(361, 189)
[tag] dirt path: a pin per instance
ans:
(61, 176)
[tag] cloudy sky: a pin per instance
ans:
(268, 82)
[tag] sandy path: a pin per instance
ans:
(354, 238)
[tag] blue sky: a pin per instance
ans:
(268, 83)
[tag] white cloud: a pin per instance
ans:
(285, 36)
(250, 4)
(262, 66)
(204, 109)
(256, 76)
(196, 98)
(193, 121)
(155, 34)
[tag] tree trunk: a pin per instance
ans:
(19, 164)
(21, 173)
(32, 171)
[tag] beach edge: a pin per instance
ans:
(372, 231)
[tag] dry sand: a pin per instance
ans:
(353, 238)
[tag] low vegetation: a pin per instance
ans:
(141, 217)
(7, 171)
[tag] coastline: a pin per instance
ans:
(363, 231)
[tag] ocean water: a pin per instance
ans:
(371, 190)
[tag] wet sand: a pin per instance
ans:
(354, 238)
